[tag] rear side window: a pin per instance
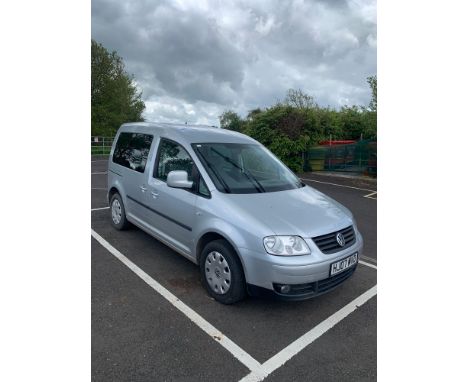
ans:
(172, 157)
(131, 150)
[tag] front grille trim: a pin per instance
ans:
(327, 243)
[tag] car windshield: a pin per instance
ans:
(245, 168)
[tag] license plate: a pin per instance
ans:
(343, 264)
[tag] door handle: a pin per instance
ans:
(143, 188)
(155, 194)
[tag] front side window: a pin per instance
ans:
(172, 157)
(245, 168)
(131, 150)
(203, 189)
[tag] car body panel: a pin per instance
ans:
(180, 218)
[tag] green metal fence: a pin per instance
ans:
(101, 145)
(357, 158)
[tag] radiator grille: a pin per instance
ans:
(328, 243)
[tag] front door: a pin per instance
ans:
(174, 208)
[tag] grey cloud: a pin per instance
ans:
(204, 57)
(184, 54)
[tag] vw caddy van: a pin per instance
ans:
(226, 203)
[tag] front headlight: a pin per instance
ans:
(286, 245)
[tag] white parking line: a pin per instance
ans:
(371, 195)
(368, 259)
(339, 185)
(241, 355)
(98, 188)
(258, 371)
(100, 160)
(99, 173)
(368, 264)
(100, 208)
(290, 351)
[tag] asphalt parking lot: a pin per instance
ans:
(152, 320)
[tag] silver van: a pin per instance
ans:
(225, 202)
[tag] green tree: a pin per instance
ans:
(299, 99)
(370, 117)
(282, 129)
(293, 126)
(252, 113)
(231, 121)
(352, 120)
(372, 81)
(115, 98)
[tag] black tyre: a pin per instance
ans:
(117, 213)
(221, 272)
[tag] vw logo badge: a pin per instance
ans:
(340, 239)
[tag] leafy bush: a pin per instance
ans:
(295, 125)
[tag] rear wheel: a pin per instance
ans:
(117, 213)
(222, 273)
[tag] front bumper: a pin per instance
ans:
(303, 291)
(307, 275)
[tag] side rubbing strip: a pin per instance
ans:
(116, 173)
(160, 214)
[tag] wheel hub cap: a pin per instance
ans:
(116, 211)
(217, 272)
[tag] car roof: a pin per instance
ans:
(188, 134)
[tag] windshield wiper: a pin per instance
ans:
(221, 180)
(254, 181)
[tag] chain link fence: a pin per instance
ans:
(356, 158)
(101, 145)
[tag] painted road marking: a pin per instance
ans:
(100, 208)
(99, 173)
(339, 185)
(240, 354)
(371, 195)
(368, 259)
(302, 342)
(368, 264)
(258, 371)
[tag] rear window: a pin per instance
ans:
(131, 150)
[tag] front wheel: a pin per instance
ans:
(222, 273)
(117, 213)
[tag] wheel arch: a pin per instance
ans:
(113, 190)
(116, 187)
(210, 236)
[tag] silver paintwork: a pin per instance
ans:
(178, 179)
(242, 219)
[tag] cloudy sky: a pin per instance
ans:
(193, 59)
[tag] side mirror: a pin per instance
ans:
(179, 179)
